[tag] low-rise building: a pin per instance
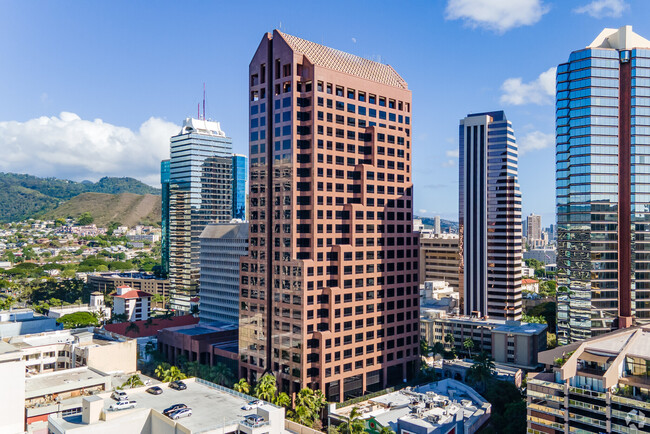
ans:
(547, 255)
(206, 343)
(65, 349)
(458, 369)
(134, 304)
(17, 322)
(12, 395)
(96, 305)
(440, 259)
(510, 342)
(597, 385)
(215, 409)
(443, 407)
(147, 282)
(530, 285)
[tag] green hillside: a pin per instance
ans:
(24, 196)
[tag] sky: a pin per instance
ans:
(92, 89)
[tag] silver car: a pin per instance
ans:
(183, 412)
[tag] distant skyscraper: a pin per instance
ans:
(222, 244)
(164, 244)
(534, 227)
(329, 291)
(200, 193)
(490, 216)
(239, 183)
(436, 225)
(603, 181)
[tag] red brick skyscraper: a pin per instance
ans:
(329, 291)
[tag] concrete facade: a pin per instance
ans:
(440, 259)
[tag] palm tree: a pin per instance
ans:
(482, 370)
(173, 374)
(133, 381)
(449, 339)
(161, 370)
(354, 424)
(266, 388)
(283, 400)
(192, 369)
(424, 347)
(438, 348)
(386, 430)
(220, 374)
(469, 344)
(242, 386)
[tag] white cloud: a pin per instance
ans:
(534, 141)
(496, 15)
(354, 40)
(540, 91)
(73, 148)
(422, 211)
(449, 163)
(603, 8)
(452, 153)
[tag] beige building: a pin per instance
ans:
(440, 259)
(510, 342)
(132, 303)
(65, 349)
(107, 282)
(12, 396)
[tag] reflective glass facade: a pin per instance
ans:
(239, 190)
(603, 190)
(200, 193)
(164, 181)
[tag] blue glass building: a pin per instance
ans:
(239, 190)
(603, 185)
(164, 181)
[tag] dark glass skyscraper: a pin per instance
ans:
(603, 185)
(239, 190)
(200, 188)
(490, 216)
(164, 221)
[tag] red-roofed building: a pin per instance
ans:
(144, 329)
(132, 303)
(530, 285)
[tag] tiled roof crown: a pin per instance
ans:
(345, 62)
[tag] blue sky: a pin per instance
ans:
(89, 89)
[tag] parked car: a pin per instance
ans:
(120, 395)
(122, 405)
(254, 420)
(178, 385)
(251, 405)
(173, 408)
(155, 390)
(183, 412)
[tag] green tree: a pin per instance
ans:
(77, 320)
(386, 430)
(438, 348)
(424, 347)
(162, 370)
(221, 374)
(173, 374)
(85, 219)
(266, 388)
(482, 370)
(468, 344)
(533, 319)
(242, 386)
(354, 424)
(283, 400)
(133, 381)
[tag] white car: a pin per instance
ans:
(120, 395)
(183, 412)
(251, 405)
(122, 405)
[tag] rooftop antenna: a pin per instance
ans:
(198, 110)
(204, 100)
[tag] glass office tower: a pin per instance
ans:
(490, 217)
(603, 185)
(239, 190)
(164, 220)
(200, 192)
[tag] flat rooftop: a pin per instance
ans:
(64, 380)
(83, 337)
(212, 408)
